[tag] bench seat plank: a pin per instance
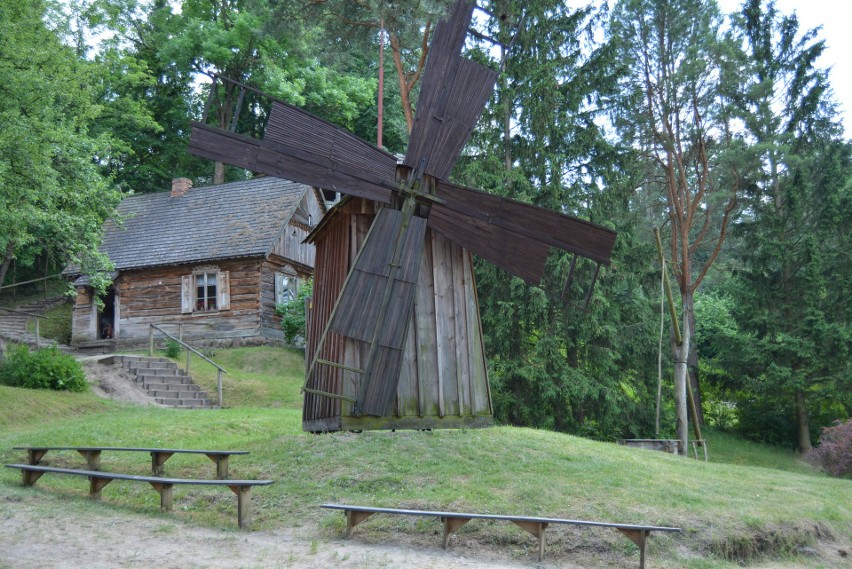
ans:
(98, 479)
(536, 526)
(159, 456)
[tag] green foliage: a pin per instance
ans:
(47, 368)
(293, 313)
(52, 193)
(173, 348)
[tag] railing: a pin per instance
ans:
(14, 286)
(189, 351)
(37, 317)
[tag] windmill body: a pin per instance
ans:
(442, 381)
(421, 231)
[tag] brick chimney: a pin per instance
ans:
(180, 186)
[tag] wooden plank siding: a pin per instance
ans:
(443, 381)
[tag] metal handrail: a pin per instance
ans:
(13, 285)
(37, 317)
(189, 350)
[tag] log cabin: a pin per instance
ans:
(208, 263)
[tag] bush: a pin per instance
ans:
(834, 453)
(172, 348)
(42, 369)
(293, 314)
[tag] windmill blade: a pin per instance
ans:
(454, 92)
(375, 304)
(514, 235)
(303, 148)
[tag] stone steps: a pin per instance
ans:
(165, 382)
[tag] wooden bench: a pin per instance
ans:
(158, 456)
(452, 521)
(98, 479)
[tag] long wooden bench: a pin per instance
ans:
(452, 521)
(99, 479)
(158, 456)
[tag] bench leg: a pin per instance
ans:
(29, 477)
(35, 456)
(93, 458)
(639, 537)
(96, 484)
(353, 518)
(243, 505)
(537, 530)
(221, 465)
(158, 459)
(166, 495)
(451, 526)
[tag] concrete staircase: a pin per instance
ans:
(13, 326)
(165, 382)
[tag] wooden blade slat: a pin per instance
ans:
(545, 226)
(443, 129)
(453, 93)
(379, 393)
(359, 307)
(223, 146)
(294, 128)
(290, 163)
(519, 255)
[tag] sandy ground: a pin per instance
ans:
(114, 382)
(36, 534)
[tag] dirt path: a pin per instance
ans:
(41, 532)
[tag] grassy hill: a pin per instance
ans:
(749, 504)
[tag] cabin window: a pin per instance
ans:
(286, 287)
(205, 291)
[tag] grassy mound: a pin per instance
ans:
(746, 504)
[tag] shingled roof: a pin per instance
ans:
(239, 219)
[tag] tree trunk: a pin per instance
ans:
(8, 254)
(681, 376)
(218, 173)
(802, 425)
(692, 357)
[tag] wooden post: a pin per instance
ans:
(37, 332)
(188, 355)
(451, 526)
(150, 341)
(243, 505)
(93, 458)
(166, 495)
(95, 485)
(219, 384)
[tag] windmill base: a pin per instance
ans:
(394, 423)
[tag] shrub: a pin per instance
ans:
(172, 348)
(42, 369)
(834, 453)
(293, 313)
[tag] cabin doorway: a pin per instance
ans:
(106, 316)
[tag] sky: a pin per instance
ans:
(835, 18)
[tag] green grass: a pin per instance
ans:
(55, 324)
(255, 377)
(746, 502)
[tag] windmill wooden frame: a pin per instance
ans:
(414, 203)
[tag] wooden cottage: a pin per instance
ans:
(443, 382)
(209, 263)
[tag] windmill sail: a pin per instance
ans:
(453, 94)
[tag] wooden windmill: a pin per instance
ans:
(373, 312)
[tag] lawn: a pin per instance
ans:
(748, 503)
